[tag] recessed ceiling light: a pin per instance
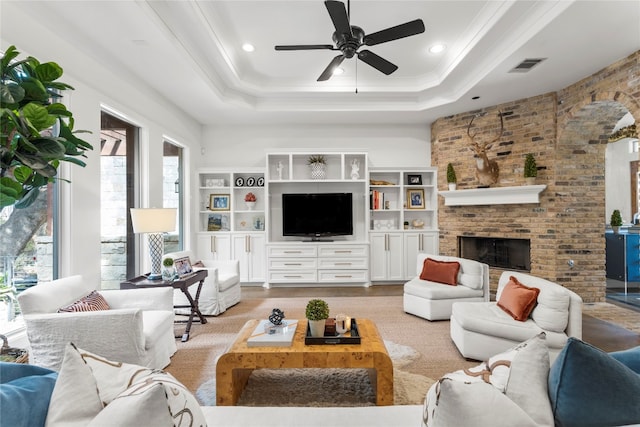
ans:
(337, 71)
(437, 48)
(248, 47)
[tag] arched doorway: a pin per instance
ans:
(583, 133)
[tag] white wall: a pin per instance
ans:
(387, 145)
(96, 87)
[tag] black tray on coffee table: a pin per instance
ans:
(349, 337)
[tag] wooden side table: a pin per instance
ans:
(183, 284)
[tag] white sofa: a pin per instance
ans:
(433, 301)
(363, 416)
(480, 330)
(221, 288)
(137, 329)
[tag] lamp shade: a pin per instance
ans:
(153, 220)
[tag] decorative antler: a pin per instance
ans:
(487, 171)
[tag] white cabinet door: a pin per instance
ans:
(414, 244)
(250, 250)
(214, 246)
(386, 256)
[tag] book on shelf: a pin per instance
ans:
(266, 334)
(376, 201)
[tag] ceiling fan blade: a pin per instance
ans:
(377, 62)
(305, 47)
(339, 17)
(394, 33)
(328, 72)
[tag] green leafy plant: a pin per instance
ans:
(616, 218)
(530, 167)
(317, 309)
(167, 262)
(36, 132)
(316, 158)
(451, 174)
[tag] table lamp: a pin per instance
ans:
(154, 222)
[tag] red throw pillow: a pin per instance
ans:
(92, 302)
(440, 271)
(518, 300)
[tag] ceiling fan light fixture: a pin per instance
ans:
(437, 48)
(248, 47)
(337, 71)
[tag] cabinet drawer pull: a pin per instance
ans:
(344, 276)
(343, 263)
(343, 251)
(292, 276)
(292, 252)
(292, 263)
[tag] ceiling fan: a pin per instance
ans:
(349, 38)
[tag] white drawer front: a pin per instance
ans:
(343, 251)
(342, 276)
(343, 263)
(292, 251)
(293, 276)
(292, 264)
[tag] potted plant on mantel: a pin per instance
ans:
(451, 177)
(318, 165)
(616, 221)
(530, 169)
(317, 312)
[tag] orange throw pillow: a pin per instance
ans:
(518, 300)
(440, 271)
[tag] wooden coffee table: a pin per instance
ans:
(234, 367)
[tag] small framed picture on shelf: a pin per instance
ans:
(415, 199)
(218, 222)
(219, 202)
(414, 179)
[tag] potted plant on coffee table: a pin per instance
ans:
(168, 269)
(317, 312)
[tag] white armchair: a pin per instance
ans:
(138, 327)
(221, 288)
(482, 329)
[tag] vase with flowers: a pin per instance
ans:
(250, 200)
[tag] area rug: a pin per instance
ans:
(326, 387)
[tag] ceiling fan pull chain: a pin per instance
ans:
(356, 77)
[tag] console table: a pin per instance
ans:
(183, 284)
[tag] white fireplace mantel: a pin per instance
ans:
(493, 196)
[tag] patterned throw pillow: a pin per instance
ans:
(94, 391)
(92, 302)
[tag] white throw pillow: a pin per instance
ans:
(520, 373)
(130, 394)
(451, 403)
(552, 311)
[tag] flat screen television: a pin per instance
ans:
(317, 214)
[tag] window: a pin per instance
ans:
(29, 252)
(118, 152)
(172, 194)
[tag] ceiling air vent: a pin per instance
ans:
(526, 65)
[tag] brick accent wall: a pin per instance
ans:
(567, 133)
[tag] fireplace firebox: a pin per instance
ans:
(510, 254)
